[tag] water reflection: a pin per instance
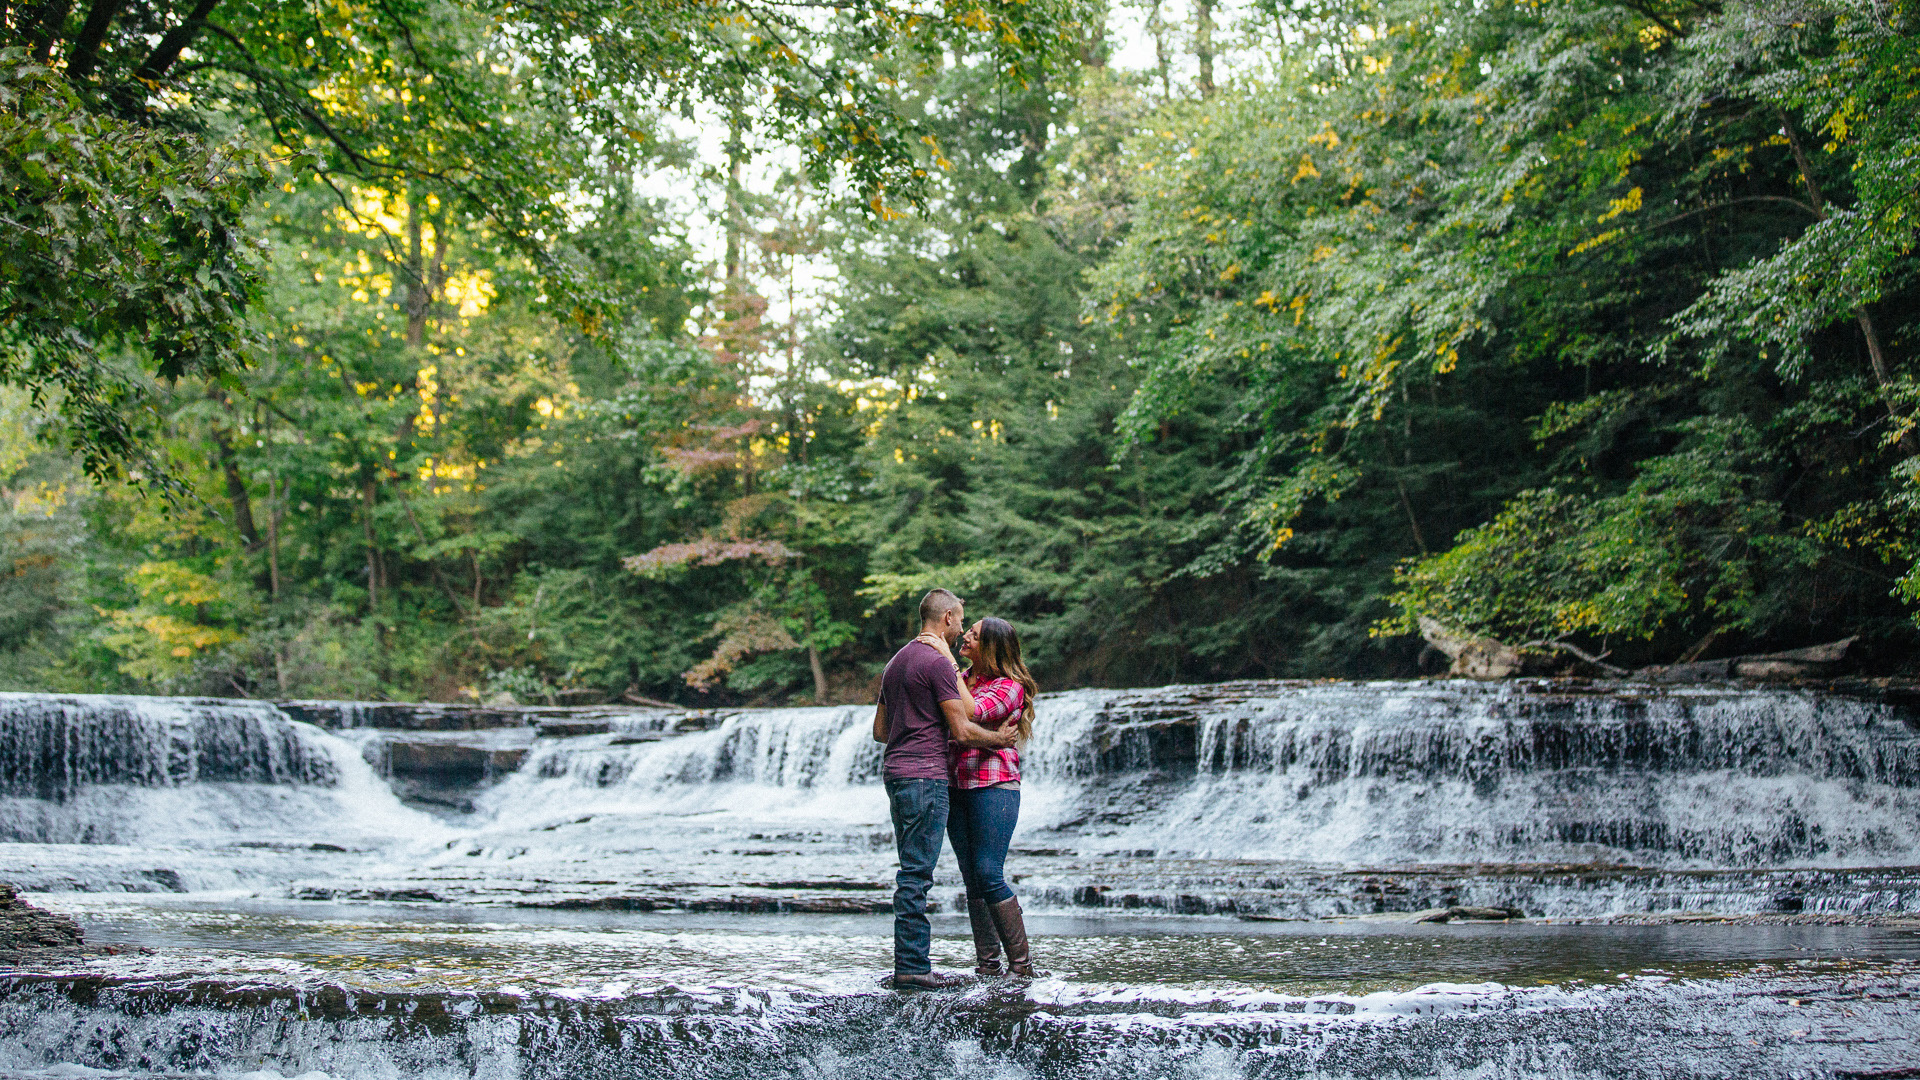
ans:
(449, 946)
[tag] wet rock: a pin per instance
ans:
(1090, 896)
(1468, 913)
(699, 721)
(166, 879)
(24, 927)
(388, 895)
(500, 712)
(1460, 911)
(445, 770)
(567, 729)
(407, 715)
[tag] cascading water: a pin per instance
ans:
(94, 790)
(52, 747)
(1268, 798)
(582, 898)
(1392, 774)
(1248, 797)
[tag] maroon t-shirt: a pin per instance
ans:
(916, 681)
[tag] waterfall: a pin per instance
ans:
(804, 766)
(1364, 774)
(51, 747)
(595, 911)
(779, 748)
(1474, 773)
(107, 770)
(1237, 797)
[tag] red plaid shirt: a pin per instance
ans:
(997, 704)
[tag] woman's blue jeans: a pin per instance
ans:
(980, 825)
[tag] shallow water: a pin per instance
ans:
(449, 946)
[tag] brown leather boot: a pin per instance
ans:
(986, 940)
(1012, 926)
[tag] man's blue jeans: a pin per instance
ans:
(919, 823)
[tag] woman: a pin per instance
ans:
(985, 793)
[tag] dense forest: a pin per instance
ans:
(369, 350)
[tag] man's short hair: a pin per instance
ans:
(935, 605)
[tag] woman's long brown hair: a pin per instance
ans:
(999, 648)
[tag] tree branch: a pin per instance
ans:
(1795, 203)
(1597, 661)
(1876, 352)
(1647, 10)
(86, 48)
(154, 68)
(51, 18)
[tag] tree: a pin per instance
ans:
(500, 110)
(122, 255)
(1532, 217)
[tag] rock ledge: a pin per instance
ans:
(27, 930)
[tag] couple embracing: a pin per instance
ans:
(952, 768)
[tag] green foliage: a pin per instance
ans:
(126, 212)
(122, 260)
(1521, 317)
(1686, 538)
(1587, 219)
(1838, 73)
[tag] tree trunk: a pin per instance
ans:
(1094, 50)
(1157, 25)
(1203, 44)
(415, 274)
(813, 661)
(1036, 120)
(1876, 353)
(1419, 539)
(237, 491)
(274, 511)
(376, 581)
(819, 676)
(736, 225)
(175, 42)
(85, 55)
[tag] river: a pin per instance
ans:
(1715, 881)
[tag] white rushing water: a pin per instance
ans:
(1362, 775)
(1183, 799)
(96, 789)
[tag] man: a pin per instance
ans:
(922, 705)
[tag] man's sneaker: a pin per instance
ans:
(926, 980)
